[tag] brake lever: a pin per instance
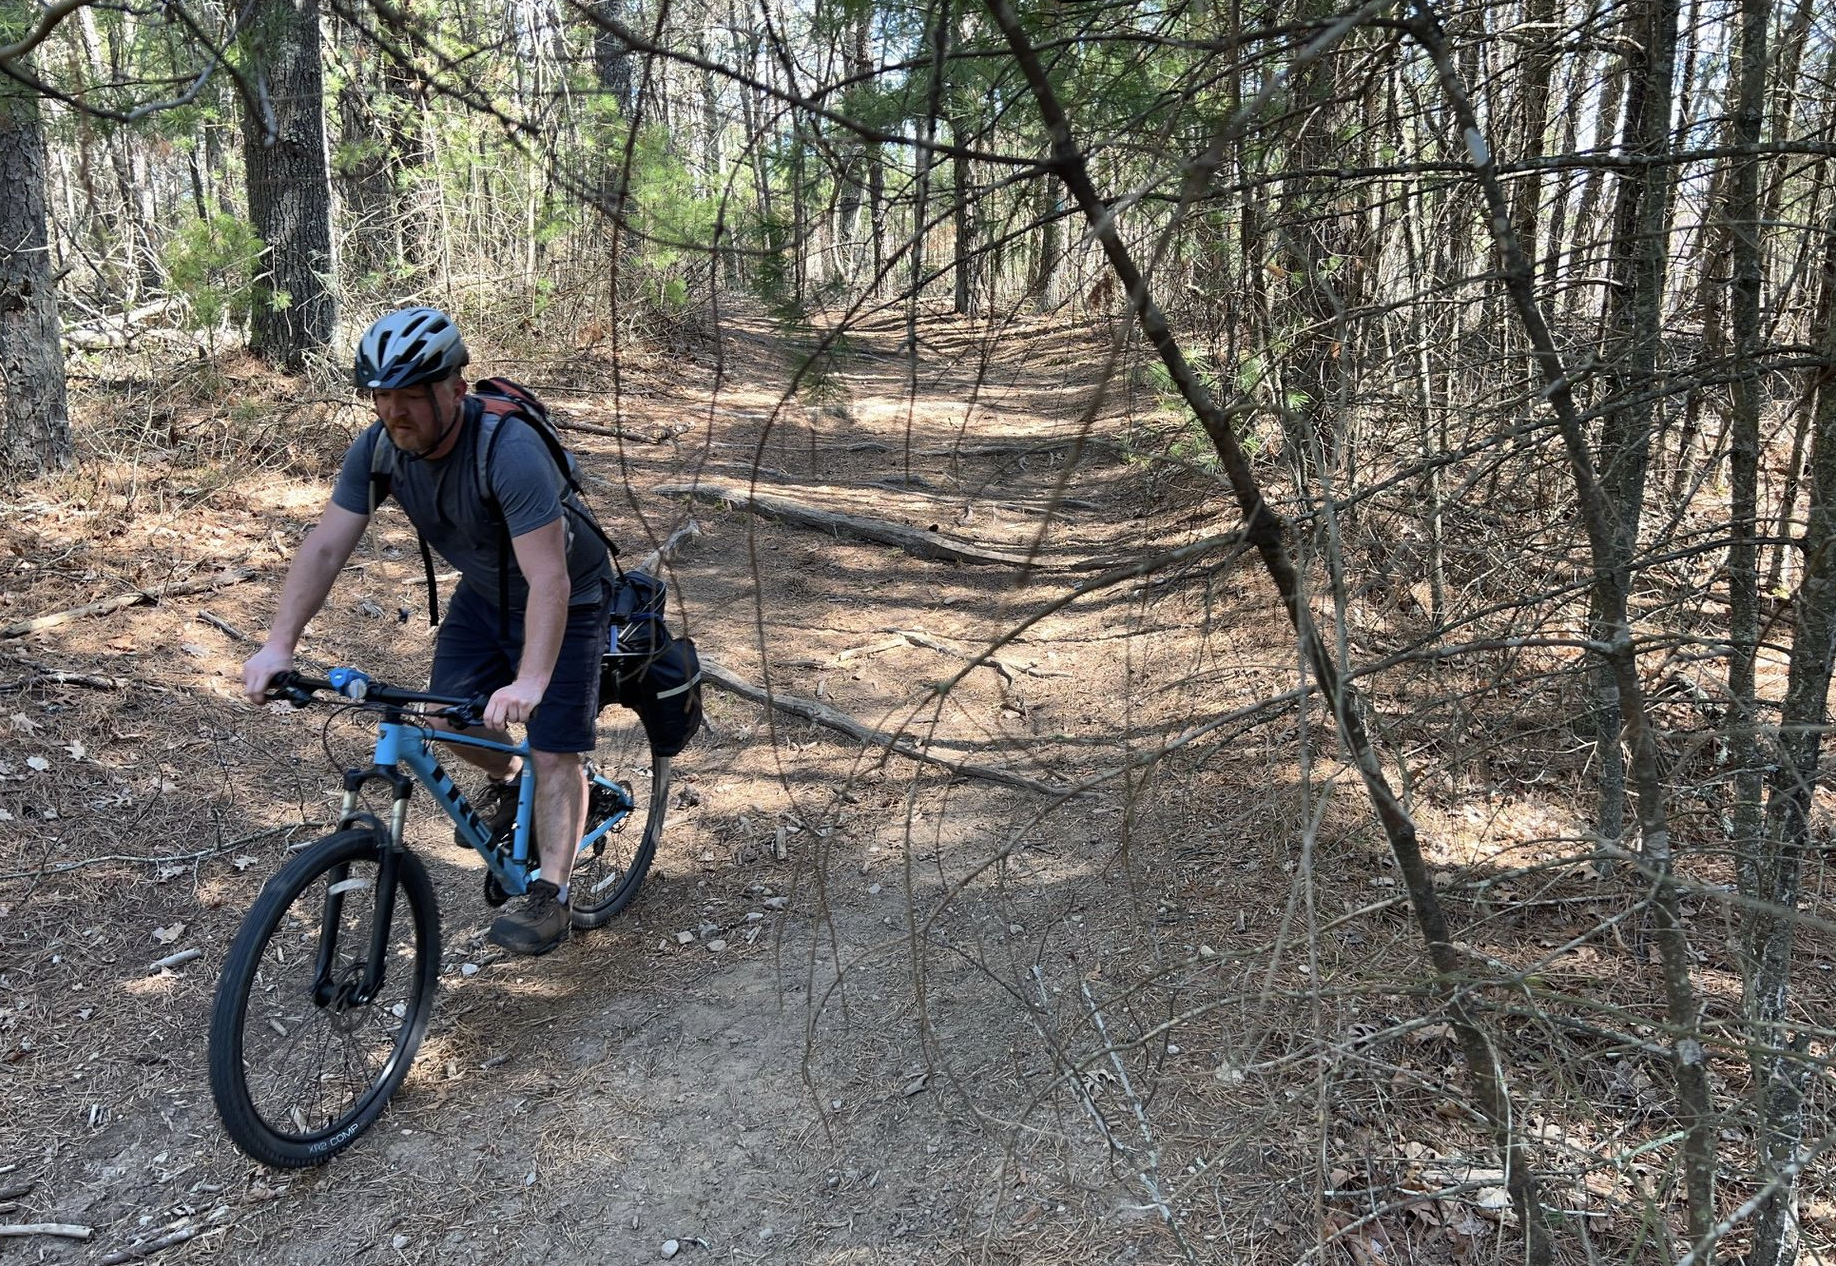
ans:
(464, 716)
(293, 696)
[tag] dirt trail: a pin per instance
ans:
(872, 1074)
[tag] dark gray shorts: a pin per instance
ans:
(473, 657)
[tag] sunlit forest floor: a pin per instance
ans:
(909, 1058)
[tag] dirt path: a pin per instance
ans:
(876, 1072)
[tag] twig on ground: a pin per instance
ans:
(175, 859)
(871, 648)
(175, 960)
(1150, 1158)
(57, 677)
(62, 1230)
(224, 627)
(918, 638)
(139, 597)
(895, 744)
(136, 1252)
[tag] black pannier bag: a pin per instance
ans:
(647, 670)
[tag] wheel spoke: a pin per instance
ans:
(307, 1070)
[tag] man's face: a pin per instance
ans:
(417, 417)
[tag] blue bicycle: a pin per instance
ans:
(328, 986)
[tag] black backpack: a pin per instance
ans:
(496, 399)
(646, 669)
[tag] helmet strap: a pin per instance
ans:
(458, 416)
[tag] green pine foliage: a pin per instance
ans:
(213, 264)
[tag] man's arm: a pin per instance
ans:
(541, 555)
(321, 557)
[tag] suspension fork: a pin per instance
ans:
(325, 989)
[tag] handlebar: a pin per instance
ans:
(356, 685)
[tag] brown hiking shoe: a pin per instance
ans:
(537, 925)
(496, 808)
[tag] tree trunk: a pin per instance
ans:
(1042, 286)
(1581, 296)
(1309, 237)
(289, 189)
(364, 164)
(851, 177)
(1695, 1099)
(876, 209)
(962, 217)
(34, 427)
(1743, 230)
(1539, 66)
(1635, 328)
(611, 57)
(1771, 927)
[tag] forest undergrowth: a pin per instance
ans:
(1154, 996)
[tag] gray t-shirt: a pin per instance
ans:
(441, 499)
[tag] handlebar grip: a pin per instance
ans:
(292, 688)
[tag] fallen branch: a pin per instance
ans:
(139, 597)
(175, 960)
(63, 1230)
(56, 677)
(174, 859)
(137, 1252)
(871, 648)
(666, 551)
(895, 744)
(921, 544)
(1011, 504)
(915, 638)
(617, 432)
(224, 627)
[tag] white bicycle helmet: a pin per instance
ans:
(414, 345)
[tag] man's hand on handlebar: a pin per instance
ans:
(260, 669)
(515, 703)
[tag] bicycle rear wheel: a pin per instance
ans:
(608, 873)
(299, 1068)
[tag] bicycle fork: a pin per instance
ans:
(359, 989)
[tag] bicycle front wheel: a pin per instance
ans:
(301, 1061)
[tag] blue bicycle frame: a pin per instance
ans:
(402, 745)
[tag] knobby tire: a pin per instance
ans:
(265, 1013)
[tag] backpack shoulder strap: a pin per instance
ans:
(499, 398)
(383, 456)
(490, 426)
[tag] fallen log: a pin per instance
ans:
(921, 544)
(140, 597)
(894, 744)
(617, 432)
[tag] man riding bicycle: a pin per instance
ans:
(538, 656)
